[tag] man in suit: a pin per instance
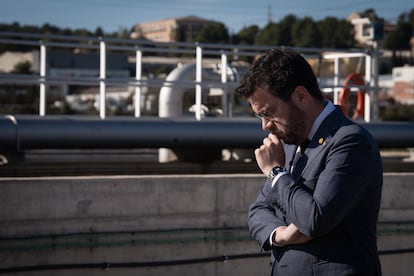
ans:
(317, 211)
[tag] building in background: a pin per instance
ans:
(367, 30)
(403, 79)
(171, 30)
(9, 60)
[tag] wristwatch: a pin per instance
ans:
(275, 171)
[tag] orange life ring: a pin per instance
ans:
(343, 100)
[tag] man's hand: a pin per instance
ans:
(290, 234)
(270, 154)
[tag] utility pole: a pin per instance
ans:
(269, 13)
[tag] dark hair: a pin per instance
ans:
(280, 70)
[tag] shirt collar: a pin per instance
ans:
(328, 109)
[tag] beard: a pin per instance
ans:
(293, 131)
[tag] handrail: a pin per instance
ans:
(142, 48)
(257, 49)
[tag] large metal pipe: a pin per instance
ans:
(78, 132)
(9, 140)
(66, 132)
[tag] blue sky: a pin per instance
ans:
(111, 15)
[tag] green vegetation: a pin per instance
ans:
(291, 31)
(398, 112)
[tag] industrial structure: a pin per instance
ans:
(148, 224)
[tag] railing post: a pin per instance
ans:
(375, 76)
(138, 78)
(225, 97)
(337, 77)
(42, 85)
(368, 92)
(102, 77)
(198, 79)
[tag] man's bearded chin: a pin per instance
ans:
(281, 136)
(287, 139)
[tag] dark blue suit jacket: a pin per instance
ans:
(335, 199)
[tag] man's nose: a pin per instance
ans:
(266, 124)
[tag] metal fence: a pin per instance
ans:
(196, 53)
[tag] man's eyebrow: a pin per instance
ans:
(265, 110)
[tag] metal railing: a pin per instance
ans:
(197, 53)
(20, 133)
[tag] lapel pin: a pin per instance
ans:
(321, 141)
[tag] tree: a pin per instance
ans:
(49, 29)
(285, 30)
(344, 35)
(411, 18)
(399, 39)
(214, 33)
(268, 35)
(22, 68)
(246, 36)
(336, 33)
(67, 31)
(371, 14)
(99, 32)
(305, 33)
(277, 33)
(82, 32)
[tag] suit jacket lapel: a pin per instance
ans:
(323, 135)
(290, 151)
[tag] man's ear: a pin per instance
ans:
(300, 95)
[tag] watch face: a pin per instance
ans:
(275, 171)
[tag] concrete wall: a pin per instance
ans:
(130, 219)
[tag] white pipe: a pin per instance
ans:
(138, 78)
(171, 96)
(42, 100)
(170, 101)
(102, 76)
